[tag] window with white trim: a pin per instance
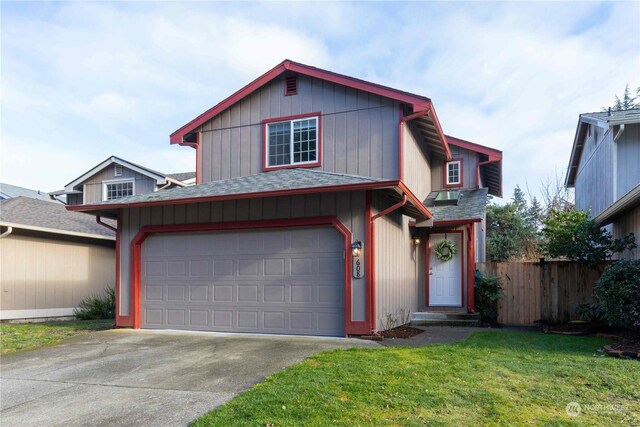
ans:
(292, 142)
(117, 189)
(454, 173)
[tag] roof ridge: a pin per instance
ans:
(337, 174)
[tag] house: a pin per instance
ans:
(8, 191)
(320, 204)
(115, 178)
(604, 170)
(50, 259)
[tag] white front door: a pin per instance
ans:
(445, 277)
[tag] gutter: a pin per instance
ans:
(6, 233)
(56, 231)
(619, 133)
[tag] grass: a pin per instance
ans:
(27, 336)
(493, 378)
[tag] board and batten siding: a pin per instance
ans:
(628, 159)
(348, 207)
(41, 276)
(400, 269)
(92, 187)
(628, 223)
(359, 130)
(417, 168)
(469, 161)
(594, 182)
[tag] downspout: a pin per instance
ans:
(619, 133)
(104, 224)
(371, 258)
(7, 232)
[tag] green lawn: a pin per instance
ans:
(25, 336)
(492, 378)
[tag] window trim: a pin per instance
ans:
(445, 173)
(117, 181)
(265, 142)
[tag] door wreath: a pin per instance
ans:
(445, 250)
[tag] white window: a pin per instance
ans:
(293, 142)
(453, 173)
(118, 170)
(117, 189)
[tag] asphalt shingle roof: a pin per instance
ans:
(15, 191)
(38, 213)
(632, 115)
(472, 204)
(279, 180)
(182, 176)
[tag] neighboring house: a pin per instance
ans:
(604, 169)
(8, 191)
(318, 203)
(50, 258)
(115, 178)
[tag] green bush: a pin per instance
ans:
(488, 291)
(590, 311)
(97, 306)
(618, 292)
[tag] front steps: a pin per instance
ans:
(430, 318)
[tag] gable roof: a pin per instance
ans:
(418, 102)
(267, 184)
(490, 163)
(8, 191)
(38, 215)
(603, 119)
(159, 177)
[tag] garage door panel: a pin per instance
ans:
(267, 281)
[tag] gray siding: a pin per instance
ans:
(417, 170)
(359, 130)
(40, 275)
(629, 223)
(92, 187)
(469, 161)
(349, 208)
(594, 179)
(400, 268)
(74, 199)
(628, 159)
(481, 243)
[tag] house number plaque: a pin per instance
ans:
(357, 265)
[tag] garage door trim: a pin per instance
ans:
(144, 232)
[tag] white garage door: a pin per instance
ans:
(284, 281)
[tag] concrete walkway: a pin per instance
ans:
(143, 378)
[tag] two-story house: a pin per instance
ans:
(320, 206)
(604, 169)
(115, 178)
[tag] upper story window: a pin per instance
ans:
(294, 142)
(453, 173)
(112, 190)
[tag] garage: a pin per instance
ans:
(279, 281)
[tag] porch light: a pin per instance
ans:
(356, 248)
(416, 241)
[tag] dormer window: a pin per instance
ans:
(117, 189)
(294, 142)
(453, 173)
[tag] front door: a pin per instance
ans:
(445, 277)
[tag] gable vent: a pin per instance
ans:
(291, 85)
(118, 170)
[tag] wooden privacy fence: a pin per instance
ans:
(549, 291)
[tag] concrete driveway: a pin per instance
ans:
(150, 378)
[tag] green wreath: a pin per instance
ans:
(445, 250)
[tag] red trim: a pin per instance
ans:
(390, 208)
(428, 262)
(416, 100)
(370, 267)
(317, 116)
(144, 232)
(443, 139)
(104, 224)
(493, 154)
(426, 275)
(121, 320)
(290, 192)
(415, 201)
(471, 267)
(445, 173)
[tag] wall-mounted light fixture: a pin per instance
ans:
(356, 248)
(416, 241)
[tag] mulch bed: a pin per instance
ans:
(401, 332)
(627, 343)
(570, 329)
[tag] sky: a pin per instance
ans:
(83, 81)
